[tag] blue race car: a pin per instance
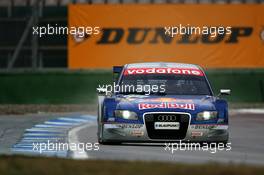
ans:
(161, 102)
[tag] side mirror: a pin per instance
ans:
(225, 92)
(117, 69)
(116, 72)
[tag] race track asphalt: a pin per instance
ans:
(246, 137)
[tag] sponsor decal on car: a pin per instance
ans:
(211, 126)
(167, 125)
(196, 134)
(129, 126)
(203, 126)
(111, 119)
(178, 71)
(137, 133)
(189, 106)
(123, 126)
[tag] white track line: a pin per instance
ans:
(46, 129)
(73, 119)
(55, 131)
(43, 134)
(51, 126)
(61, 123)
(73, 138)
(247, 111)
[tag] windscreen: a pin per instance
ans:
(164, 83)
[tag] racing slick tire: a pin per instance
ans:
(102, 141)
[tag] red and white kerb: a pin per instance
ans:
(177, 71)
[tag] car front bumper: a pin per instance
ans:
(124, 132)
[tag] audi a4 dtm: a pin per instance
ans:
(161, 102)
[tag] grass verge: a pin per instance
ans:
(17, 165)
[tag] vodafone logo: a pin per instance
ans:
(178, 71)
(189, 106)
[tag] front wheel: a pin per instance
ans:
(102, 142)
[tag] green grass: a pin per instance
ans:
(46, 166)
(51, 87)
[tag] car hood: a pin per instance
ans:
(168, 103)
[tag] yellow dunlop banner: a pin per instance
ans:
(213, 36)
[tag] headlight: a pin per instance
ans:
(125, 114)
(206, 115)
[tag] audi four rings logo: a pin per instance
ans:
(165, 118)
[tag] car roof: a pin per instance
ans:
(162, 65)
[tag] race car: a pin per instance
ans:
(161, 102)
